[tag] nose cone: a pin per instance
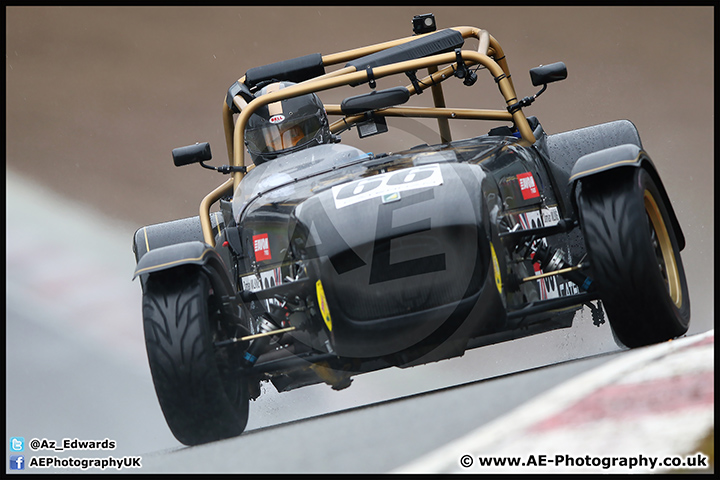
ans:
(396, 253)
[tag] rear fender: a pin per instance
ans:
(623, 156)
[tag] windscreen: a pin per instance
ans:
(280, 178)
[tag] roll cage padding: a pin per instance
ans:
(438, 42)
(235, 89)
(293, 70)
(374, 100)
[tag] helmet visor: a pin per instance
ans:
(277, 137)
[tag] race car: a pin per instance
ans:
(316, 261)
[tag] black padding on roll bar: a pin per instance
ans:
(374, 100)
(438, 42)
(293, 70)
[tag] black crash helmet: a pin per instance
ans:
(286, 126)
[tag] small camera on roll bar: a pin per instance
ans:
(424, 23)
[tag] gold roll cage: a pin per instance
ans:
(489, 54)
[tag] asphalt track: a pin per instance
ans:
(76, 366)
(97, 98)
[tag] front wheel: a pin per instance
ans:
(634, 256)
(200, 393)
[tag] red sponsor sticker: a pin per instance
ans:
(277, 118)
(527, 185)
(261, 244)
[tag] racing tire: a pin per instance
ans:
(634, 256)
(199, 391)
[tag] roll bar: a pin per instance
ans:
(489, 54)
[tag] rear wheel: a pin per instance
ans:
(634, 256)
(199, 390)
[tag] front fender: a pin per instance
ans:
(608, 159)
(623, 156)
(167, 233)
(179, 254)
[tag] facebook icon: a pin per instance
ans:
(17, 462)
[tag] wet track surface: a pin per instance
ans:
(77, 368)
(375, 438)
(97, 98)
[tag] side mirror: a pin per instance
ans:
(545, 74)
(541, 75)
(198, 153)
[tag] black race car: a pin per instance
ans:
(323, 261)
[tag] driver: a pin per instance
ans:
(286, 126)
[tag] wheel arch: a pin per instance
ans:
(623, 156)
(151, 237)
(182, 254)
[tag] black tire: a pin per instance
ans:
(199, 391)
(634, 256)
